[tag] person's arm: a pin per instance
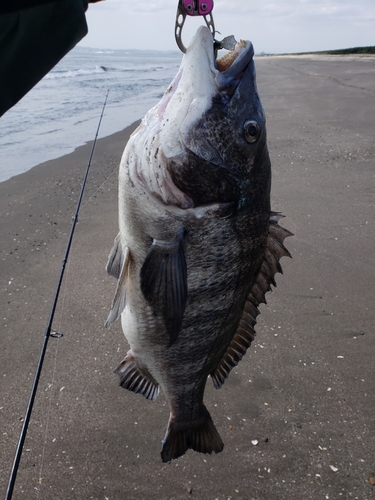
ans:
(34, 36)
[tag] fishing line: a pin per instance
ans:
(101, 185)
(47, 334)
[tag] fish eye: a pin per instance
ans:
(252, 131)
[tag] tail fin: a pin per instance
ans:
(200, 436)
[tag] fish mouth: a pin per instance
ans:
(235, 62)
(232, 66)
(228, 70)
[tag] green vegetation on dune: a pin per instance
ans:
(344, 52)
(354, 50)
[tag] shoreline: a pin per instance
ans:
(258, 58)
(133, 113)
(123, 133)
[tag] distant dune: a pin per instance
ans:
(351, 51)
(354, 50)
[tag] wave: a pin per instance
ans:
(50, 131)
(143, 69)
(75, 73)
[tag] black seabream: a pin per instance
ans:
(198, 246)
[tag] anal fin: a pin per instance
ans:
(245, 332)
(136, 380)
(164, 282)
(119, 300)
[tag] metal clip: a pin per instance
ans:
(193, 8)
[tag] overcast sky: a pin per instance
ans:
(273, 26)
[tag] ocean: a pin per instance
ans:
(62, 111)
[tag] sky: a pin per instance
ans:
(281, 26)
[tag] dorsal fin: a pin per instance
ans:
(245, 332)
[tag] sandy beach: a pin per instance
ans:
(297, 416)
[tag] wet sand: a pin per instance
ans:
(297, 415)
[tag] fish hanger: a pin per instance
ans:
(193, 8)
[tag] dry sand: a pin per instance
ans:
(297, 416)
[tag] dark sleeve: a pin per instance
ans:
(34, 36)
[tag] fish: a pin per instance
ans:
(198, 245)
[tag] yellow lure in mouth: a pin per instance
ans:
(226, 61)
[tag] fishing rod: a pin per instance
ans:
(48, 334)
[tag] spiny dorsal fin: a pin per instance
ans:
(135, 380)
(164, 282)
(119, 300)
(245, 332)
(115, 258)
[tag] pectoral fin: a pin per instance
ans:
(266, 277)
(119, 300)
(164, 282)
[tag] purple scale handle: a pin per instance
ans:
(204, 7)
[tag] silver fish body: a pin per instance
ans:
(198, 245)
